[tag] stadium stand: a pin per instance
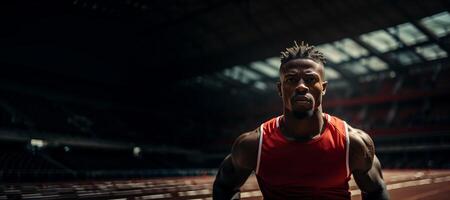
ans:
(131, 99)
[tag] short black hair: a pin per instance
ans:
(304, 50)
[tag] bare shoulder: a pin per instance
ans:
(245, 150)
(362, 150)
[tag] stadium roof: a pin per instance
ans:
(124, 48)
(385, 51)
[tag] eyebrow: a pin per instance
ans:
(291, 73)
(312, 73)
(307, 72)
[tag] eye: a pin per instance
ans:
(310, 79)
(291, 80)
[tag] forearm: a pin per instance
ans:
(380, 194)
(223, 192)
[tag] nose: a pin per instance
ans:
(301, 87)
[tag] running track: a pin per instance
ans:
(401, 184)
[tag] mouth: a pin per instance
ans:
(301, 98)
(303, 102)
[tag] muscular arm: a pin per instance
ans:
(237, 166)
(365, 166)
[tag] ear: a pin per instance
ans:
(280, 93)
(324, 87)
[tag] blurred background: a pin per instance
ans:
(138, 89)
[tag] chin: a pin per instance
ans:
(303, 114)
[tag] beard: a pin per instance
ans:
(303, 114)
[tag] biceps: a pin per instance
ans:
(371, 180)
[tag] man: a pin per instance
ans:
(305, 153)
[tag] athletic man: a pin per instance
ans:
(304, 153)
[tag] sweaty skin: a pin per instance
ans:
(301, 88)
(237, 166)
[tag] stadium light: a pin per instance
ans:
(136, 151)
(38, 143)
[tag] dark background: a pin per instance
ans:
(95, 78)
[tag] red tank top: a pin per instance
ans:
(317, 169)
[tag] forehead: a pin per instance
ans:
(301, 64)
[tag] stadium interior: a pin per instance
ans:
(135, 89)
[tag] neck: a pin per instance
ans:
(302, 129)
